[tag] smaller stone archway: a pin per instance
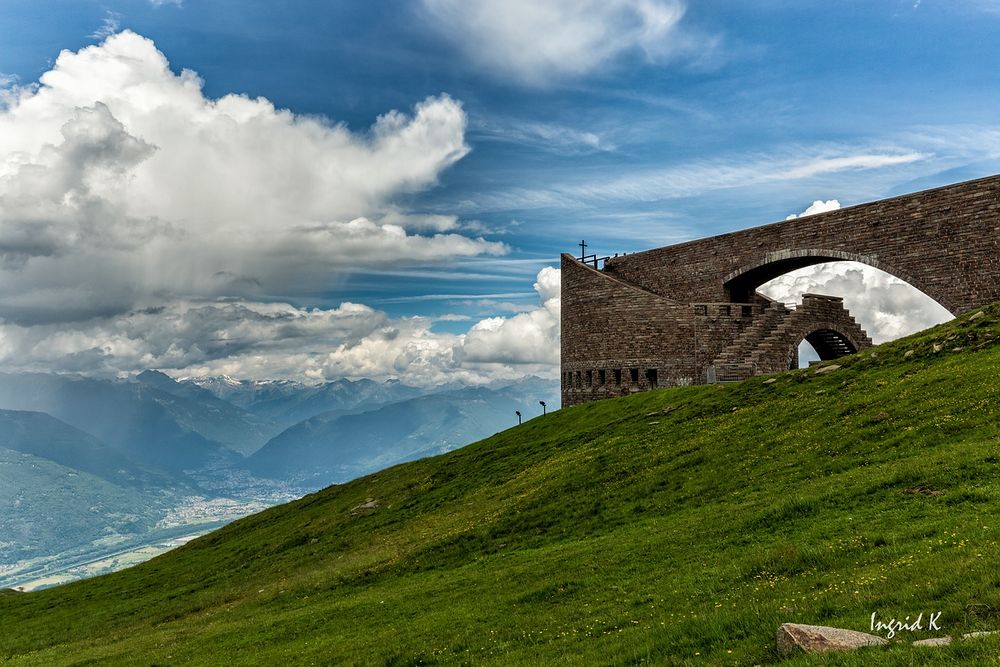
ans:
(823, 321)
(771, 344)
(831, 344)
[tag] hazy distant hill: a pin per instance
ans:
(45, 437)
(287, 403)
(49, 508)
(147, 425)
(334, 447)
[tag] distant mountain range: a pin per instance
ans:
(335, 447)
(286, 403)
(144, 423)
(89, 464)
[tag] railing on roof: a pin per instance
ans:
(593, 259)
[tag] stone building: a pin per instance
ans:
(690, 313)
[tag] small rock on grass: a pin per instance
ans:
(933, 641)
(369, 505)
(794, 637)
(827, 369)
(977, 316)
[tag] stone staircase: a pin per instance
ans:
(770, 343)
(732, 364)
(774, 313)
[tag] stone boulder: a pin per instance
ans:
(933, 641)
(793, 637)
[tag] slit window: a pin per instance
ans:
(701, 310)
(725, 311)
(747, 311)
(618, 377)
(651, 377)
(634, 375)
(579, 379)
(590, 378)
(602, 377)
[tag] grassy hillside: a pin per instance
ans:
(679, 526)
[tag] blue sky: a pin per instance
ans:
(631, 123)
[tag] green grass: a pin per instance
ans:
(680, 526)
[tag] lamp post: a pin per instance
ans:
(518, 413)
(542, 403)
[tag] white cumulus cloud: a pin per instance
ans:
(244, 338)
(526, 338)
(818, 206)
(538, 41)
(122, 185)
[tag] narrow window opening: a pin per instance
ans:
(701, 310)
(602, 377)
(634, 375)
(618, 377)
(651, 377)
(747, 311)
(725, 311)
(590, 378)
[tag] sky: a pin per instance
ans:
(321, 190)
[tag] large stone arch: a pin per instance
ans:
(669, 315)
(945, 242)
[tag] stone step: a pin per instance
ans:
(750, 337)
